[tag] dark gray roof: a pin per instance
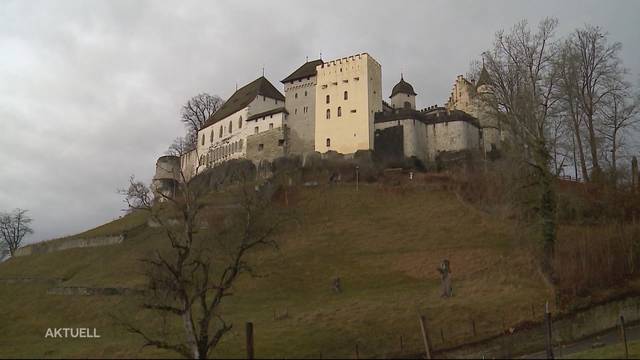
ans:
(307, 69)
(267, 113)
(484, 78)
(427, 116)
(402, 87)
(243, 96)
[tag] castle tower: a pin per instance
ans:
(167, 177)
(348, 94)
(403, 96)
(300, 101)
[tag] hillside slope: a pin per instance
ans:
(384, 244)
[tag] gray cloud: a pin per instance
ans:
(90, 91)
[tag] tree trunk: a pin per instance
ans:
(583, 163)
(547, 211)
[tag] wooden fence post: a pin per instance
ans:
(249, 335)
(549, 342)
(623, 332)
(425, 336)
(473, 327)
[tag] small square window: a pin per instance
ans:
(270, 126)
(260, 147)
(281, 142)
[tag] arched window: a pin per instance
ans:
(407, 105)
(339, 111)
(220, 131)
(296, 95)
(240, 145)
(328, 142)
(328, 99)
(346, 95)
(240, 123)
(328, 114)
(202, 139)
(305, 93)
(211, 136)
(230, 127)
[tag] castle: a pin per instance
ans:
(337, 106)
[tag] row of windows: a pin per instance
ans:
(305, 94)
(328, 113)
(257, 128)
(280, 143)
(344, 81)
(305, 109)
(345, 96)
(221, 132)
(221, 152)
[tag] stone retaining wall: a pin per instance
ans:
(63, 244)
(88, 291)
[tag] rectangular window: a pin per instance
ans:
(260, 147)
(270, 126)
(353, 111)
(256, 129)
(281, 142)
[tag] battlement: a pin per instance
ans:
(348, 59)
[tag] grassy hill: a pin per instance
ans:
(383, 242)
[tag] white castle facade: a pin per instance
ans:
(337, 106)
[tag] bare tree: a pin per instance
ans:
(205, 257)
(599, 69)
(620, 113)
(14, 227)
(523, 93)
(180, 146)
(572, 114)
(195, 113)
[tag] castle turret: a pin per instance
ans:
(166, 178)
(402, 95)
(484, 81)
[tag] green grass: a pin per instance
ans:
(384, 245)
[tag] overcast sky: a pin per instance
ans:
(90, 91)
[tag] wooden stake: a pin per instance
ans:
(249, 335)
(473, 326)
(425, 336)
(624, 337)
(549, 342)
